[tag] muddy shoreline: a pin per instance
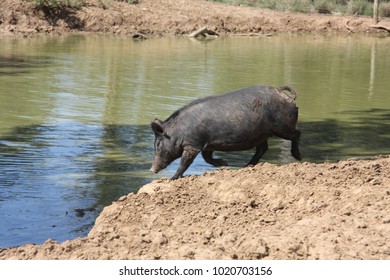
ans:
(165, 18)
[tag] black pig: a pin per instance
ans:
(235, 121)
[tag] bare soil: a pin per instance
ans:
(295, 211)
(172, 17)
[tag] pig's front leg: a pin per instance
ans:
(188, 156)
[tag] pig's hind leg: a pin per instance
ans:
(260, 150)
(208, 157)
(294, 136)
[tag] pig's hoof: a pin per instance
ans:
(296, 154)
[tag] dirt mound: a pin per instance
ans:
(170, 17)
(295, 211)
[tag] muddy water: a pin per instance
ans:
(74, 113)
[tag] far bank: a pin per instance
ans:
(162, 18)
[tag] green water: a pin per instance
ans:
(75, 113)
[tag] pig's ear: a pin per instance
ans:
(157, 127)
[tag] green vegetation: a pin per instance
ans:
(72, 3)
(58, 3)
(385, 9)
(347, 7)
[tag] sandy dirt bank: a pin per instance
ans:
(295, 211)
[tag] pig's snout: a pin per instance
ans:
(154, 170)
